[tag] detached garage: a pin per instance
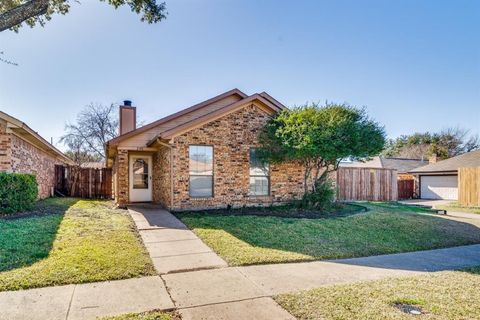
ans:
(440, 180)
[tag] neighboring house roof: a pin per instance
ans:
(24, 131)
(402, 165)
(93, 165)
(371, 163)
(469, 159)
(200, 113)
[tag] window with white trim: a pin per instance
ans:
(259, 175)
(201, 171)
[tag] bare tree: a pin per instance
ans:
(449, 142)
(78, 153)
(96, 124)
(7, 61)
(457, 141)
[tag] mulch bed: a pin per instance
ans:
(285, 211)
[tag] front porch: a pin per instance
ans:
(142, 176)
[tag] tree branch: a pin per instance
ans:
(19, 14)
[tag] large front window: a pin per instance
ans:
(259, 176)
(201, 171)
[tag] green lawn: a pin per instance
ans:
(386, 228)
(151, 315)
(455, 206)
(443, 295)
(70, 241)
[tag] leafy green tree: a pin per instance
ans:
(319, 137)
(14, 12)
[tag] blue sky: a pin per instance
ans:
(415, 64)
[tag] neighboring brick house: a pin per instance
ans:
(23, 150)
(201, 157)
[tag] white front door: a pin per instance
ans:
(140, 178)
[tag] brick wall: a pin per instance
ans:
(121, 177)
(232, 136)
(161, 177)
(5, 150)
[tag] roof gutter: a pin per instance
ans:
(433, 172)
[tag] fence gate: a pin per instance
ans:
(405, 189)
(90, 183)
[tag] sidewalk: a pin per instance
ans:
(86, 301)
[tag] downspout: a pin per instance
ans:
(171, 168)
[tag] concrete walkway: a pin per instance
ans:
(172, 246)
(215, 292)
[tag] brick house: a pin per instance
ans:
(201, 157)
(23, 150)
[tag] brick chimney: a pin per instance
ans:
(128, 117)
(433, 159)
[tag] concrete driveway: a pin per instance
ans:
(426, 202)
(435, 203)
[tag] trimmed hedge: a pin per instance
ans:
(18, 192)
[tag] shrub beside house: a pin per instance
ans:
(18, 192)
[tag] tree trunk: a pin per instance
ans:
(19, 14)
(306, 176)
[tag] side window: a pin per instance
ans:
(201, 171)
(259, 176)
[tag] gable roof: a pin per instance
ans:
(469, 159)
(23, 130)
(200, 113)
(218, 113)
(175, 115)
(402, 165)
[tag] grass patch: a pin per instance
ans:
(444, 295)
(150, 315)
(456, 207)
(385, 228)
(65, 240)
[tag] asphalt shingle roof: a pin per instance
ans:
(469, 159)
(401, 164)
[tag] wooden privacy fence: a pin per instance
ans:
(469, 187)
(79, 182)
(374, 184)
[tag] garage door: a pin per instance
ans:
(439, 187)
